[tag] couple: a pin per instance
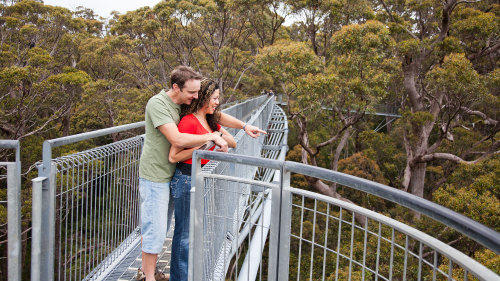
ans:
(167, 142)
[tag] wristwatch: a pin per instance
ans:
(244, 126)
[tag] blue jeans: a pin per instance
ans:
(180, 188)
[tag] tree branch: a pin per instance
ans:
(394, 20)
(443, 156)
(487, 120)
(332, 139)
(485, 51)
(452, 157)
(55, 116)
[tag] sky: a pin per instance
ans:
(103, 7)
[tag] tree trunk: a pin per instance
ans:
(66, 124)
(338, 150)
(417, 177)
(340, 147)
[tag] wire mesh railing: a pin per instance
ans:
(327, 243)
(316, 237)
(234, 207)
(96, 207)
(229, 207)
(11, 177)
(85, 205)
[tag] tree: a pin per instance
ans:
(474, 191)
(40, 87)
(266, 18)
(214, 37)
(314, 13)
(225, 39)
(114, 96)
(442, 89)
(38, 42)
(389, 154)
(332, 97)
(68, 87)
(319, 20)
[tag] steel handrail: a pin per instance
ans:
(474, 230)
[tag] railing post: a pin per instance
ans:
(196, 266)
(275, 231)
(285, 226)
(14, 220)
(47, 170)
(279, 241)
(36, 227)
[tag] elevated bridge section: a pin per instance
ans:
(247, 221)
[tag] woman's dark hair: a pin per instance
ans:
(207, 88)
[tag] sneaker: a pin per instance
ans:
(159, 275)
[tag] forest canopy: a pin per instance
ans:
(434, 64)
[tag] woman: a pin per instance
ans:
(200, 117)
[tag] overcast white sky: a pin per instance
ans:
(103, 7)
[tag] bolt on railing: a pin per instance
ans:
(13, 202)
(325, 241)
(85, 205)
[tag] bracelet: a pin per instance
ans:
(244, 126)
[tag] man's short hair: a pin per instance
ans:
(182, 74)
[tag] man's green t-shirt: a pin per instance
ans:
(154, 165)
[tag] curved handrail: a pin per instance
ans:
(458, 257)
(476, 231)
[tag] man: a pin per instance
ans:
(155, 171)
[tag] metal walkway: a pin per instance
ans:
(126, 266)
(85, 205)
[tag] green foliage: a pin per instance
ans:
(472, 26)
(360, 166)
(61, 74)
(38, 57)
(362, 59)
(457, 78)
(287, 61)
(493, 82)
(474, 190)
(409, 47)
(387, 153)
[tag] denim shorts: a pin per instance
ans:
(156, 214)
